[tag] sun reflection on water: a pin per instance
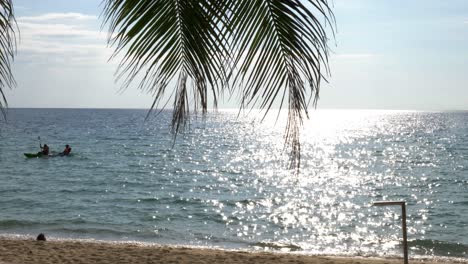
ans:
(349, 159)
(225, 182)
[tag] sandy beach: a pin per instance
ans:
(16, 251)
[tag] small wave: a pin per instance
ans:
(16, 223)
(94, 232)
(277, 246)
(461, 202)
(439, 248)
(177, 200)
(25, 224)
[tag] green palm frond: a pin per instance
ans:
(282, 54)
(7, 49)
(169, 40)
(271, 50)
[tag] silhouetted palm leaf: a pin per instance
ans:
(168, 40)
(283, 51)
(269, 49)
(7, 49)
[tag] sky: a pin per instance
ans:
(387, 54)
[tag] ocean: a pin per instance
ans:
(224, 181)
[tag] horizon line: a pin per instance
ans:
(237, 109)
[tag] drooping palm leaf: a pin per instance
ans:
(169, 40)
(276, 49)
(7, 49)
(282, 54)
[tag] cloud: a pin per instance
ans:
(62, 38)
(354, 56)
(56, 16)
(18, 7)
(72, 25)
(56, 30)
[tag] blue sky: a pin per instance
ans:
(388, 54)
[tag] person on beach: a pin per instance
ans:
(44, 150)
(41, 237)
(67, 150)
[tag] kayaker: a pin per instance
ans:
(44, 150)
(67, 150)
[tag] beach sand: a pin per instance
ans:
(16, 251)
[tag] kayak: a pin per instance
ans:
(40, 155)
(33, 155)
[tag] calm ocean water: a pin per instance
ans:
(225, 183)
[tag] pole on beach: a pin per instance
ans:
(403, 223)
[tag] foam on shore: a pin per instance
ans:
(25, 251)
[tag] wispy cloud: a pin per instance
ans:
(18, 7)
(58, 30)
(354, 56)
(49, 17)
(67, 37)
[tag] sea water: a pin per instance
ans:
(225, 182)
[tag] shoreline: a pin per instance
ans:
(25, 251)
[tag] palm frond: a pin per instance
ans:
(7, 50)
(168, 40)
(272, 49)
(282, 54)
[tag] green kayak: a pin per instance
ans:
(33, 155)
(40, 155)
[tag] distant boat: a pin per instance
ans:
(34, 155)
(40, 155)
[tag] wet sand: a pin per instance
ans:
(18, 251)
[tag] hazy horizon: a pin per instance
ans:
(249, 109)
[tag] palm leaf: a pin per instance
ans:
(270, 49)
(7, 50)
(170, 40)
(282, 55)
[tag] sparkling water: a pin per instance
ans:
(224, 182)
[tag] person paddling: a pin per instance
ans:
(67, 150)
(44, 150)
